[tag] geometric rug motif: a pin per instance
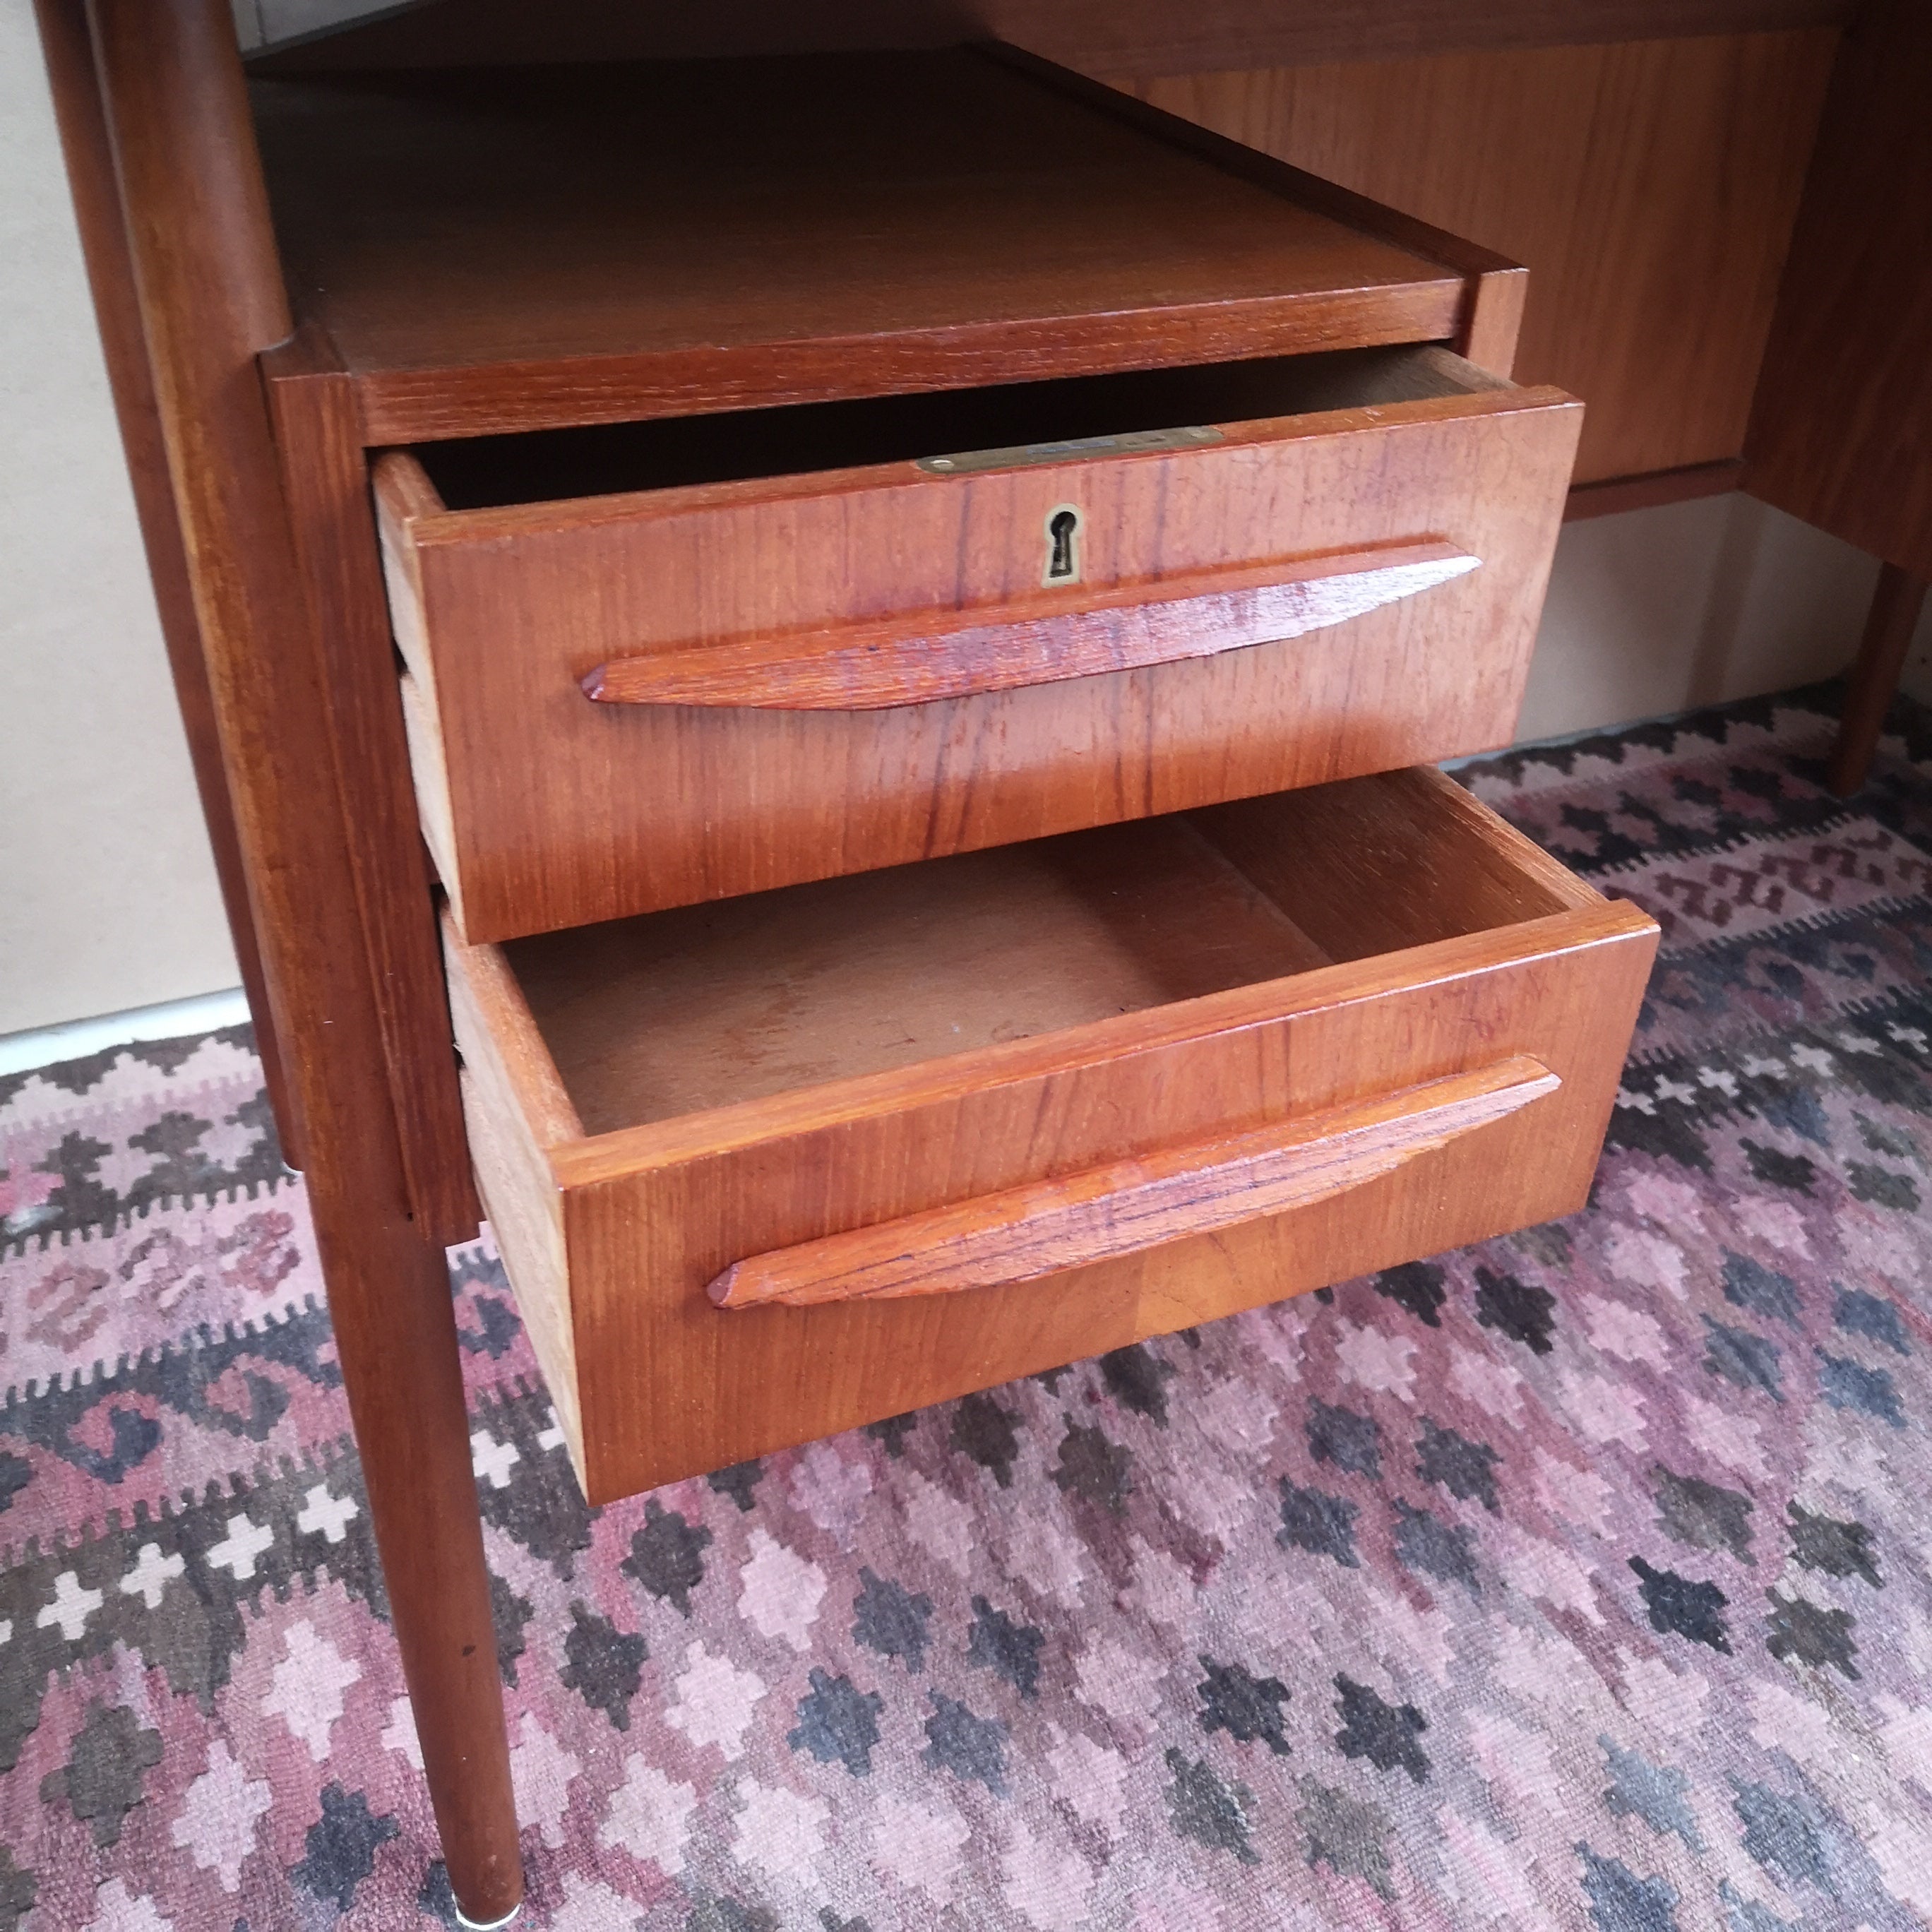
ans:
(1582, 1579)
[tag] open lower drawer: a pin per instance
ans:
(654, 663)
(768, 1169)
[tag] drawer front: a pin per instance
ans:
(910, 1238)
(623, 703)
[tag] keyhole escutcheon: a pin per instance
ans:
(1064, 524)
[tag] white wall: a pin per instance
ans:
(107, 896)
(257, 22)
(1656, 610)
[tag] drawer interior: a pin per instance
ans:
(677, 1012)
(494, 472)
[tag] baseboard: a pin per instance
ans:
(43, 1046)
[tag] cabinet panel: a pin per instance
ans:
(1649, 187)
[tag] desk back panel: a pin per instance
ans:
(1650, 185)
(1650, 188)
(1842, 432)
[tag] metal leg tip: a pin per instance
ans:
(470, 1924)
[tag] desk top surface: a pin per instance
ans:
(492, 249)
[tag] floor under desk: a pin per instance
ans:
(1561, 1574)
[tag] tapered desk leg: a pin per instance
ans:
(90, 169)
(1895, 607)
(211, 300)
(395, 1332)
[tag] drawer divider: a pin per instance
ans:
(1099, 1214)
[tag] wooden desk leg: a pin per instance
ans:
(395, 1334)
(205, 271)
(110, 278)
(1895, 607)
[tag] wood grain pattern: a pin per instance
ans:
(751, 999)
(561, 813)
(1489, 312)
(432, 778)
(1032, 640)
(1145, 37)
(1843, 422)
(203, 260)
(1373, 867)
(325, 482)
(474, 244)
(69, 53)
(1077, 1219)
(653, 1212)
(1650, 190)
(508, 1073)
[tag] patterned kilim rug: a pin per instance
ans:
(1579, 1579)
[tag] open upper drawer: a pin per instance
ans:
(657, 664)
(767, 1169)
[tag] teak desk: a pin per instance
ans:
(883, 599)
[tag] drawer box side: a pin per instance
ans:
(1404, 858)
(403, 496)
(434, 813)
(517, 1110)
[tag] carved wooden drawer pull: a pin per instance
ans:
(1039, 638)
(1045, 1225)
